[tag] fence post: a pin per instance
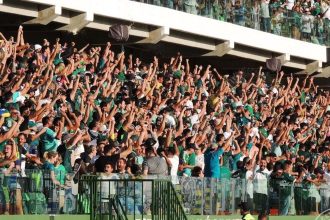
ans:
(168, 202)
(152, 200)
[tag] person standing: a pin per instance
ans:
(212, 155)
(154, 165)
(107, 188)
(190, 6)
(286, 191)
(261, 187)
(264, 16)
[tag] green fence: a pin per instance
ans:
(107, 198)
(157, 197)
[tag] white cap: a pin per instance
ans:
(44, 101)
(37, 92)
(254, 132)
(274, 90)
(194, 119)
(270, 137)
(239, 104)
(37, 46)
(103, 128)
(226, 135)
(171, 120)
(189, 104)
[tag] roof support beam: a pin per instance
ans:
(261, 58)
(313, 67)
(188, 42)
(284, 58)
(78, 22)
(18, 11)
(105, 27)
(325, 73)
(156, 35)
(46, 16)
(222, 49)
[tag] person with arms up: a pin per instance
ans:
(213, 153)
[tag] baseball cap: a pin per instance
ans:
(37, 46)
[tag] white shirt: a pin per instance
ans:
(326, 192)
(260, 181)
(264, 9)
(175, 165)
(76, 153)
(108, 188)
(200, 161)
(278, 151)
(290, 4)
(249, 183)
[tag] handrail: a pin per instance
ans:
(177, 201)
(164, 201)
(139, 197)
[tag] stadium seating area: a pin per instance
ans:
(299, 19)
(68, 112)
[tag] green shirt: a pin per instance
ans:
(2, 145)
(60, 173)
(48, 140)
(225, 159)
(264, 132)
(189, 159)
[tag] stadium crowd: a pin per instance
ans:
(306, 20)
(64, 109)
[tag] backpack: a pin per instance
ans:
(34, 203)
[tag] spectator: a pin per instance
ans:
(51, 158)
(190, 6)
(189, 159)
(264, 16)
(111, 155)
(197, 172)
(107, 189)
(172, 159)
(287, 190)
(261, 187)
(307, 21)
(121, 166)
(154, 165)
(8, 156)
(212, 155)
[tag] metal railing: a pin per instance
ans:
(278, 20)
(119, 198)
(159, 197)
(34, 193)
(166, 204)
